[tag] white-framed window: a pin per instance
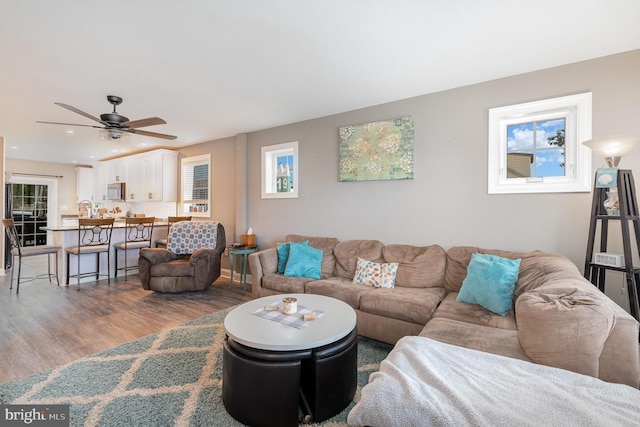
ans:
(536, 147)
(280, 171)
(195, 197)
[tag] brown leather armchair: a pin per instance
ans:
(191, 262)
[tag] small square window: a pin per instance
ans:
(280, 171)
(536, 147)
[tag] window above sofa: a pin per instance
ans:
(536, 147)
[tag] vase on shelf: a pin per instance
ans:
(612, 204)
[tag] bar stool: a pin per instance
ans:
(137, 236)
(162, 243)
(94, 237)
(18, 251)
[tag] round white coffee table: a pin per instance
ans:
(272, 369)
(264, 334)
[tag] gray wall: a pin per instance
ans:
(447, 201)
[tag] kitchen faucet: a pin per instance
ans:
(85, 206)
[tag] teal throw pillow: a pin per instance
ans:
(490, 282)
(304, 261)
(283, 254)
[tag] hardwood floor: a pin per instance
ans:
(46, 325)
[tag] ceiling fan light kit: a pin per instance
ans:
(114, 135)
(116, 126)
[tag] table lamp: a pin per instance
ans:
(612, 148)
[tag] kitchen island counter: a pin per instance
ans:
(66, 236)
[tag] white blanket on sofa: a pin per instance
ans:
(424, 382)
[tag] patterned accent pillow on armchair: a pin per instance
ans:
(186, 237)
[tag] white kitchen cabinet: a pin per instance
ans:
(84, 184)
(135, 180)
(101, 179)
(150, 176)
(161, 176)
(117, 171)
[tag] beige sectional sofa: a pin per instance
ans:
(559, 318)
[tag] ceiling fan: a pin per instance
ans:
(114, 124)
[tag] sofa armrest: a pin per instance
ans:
(201, 255)
(206, 264)
(564, 326)
(157, 255)
(260, 264)
(147, 258)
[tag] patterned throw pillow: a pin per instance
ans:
(379, 275)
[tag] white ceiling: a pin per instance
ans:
(215, 68)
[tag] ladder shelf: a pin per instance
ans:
(596, 273)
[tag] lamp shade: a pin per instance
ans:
(612, 148)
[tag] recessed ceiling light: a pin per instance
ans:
(70, 131)
(13, 147)
(74, 161)
(92, 157)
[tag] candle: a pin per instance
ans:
(289, 305)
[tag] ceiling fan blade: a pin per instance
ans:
(151, 121)
(69, 124)
(82, 113)
(147, 133)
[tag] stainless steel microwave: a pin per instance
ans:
(116, 191)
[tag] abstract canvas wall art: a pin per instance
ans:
(380, 150)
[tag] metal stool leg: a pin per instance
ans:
(19, 271)
(115, 254)
(57, 271)
(67, 275)
(13, 267)
(49, 267)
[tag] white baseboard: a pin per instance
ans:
(226, 272)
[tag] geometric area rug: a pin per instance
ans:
(171, 378)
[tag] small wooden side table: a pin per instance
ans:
(244, 251)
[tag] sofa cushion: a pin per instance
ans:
(326, 244)
(415, 305)
(376, 274)
(477, 337)
(304, 261)
(283, 284)
(564, 327)
(283, 253)
(348, 252)
(340, 288)
(490, 282)
(418, 266)
(176, 268)
(474, 314)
